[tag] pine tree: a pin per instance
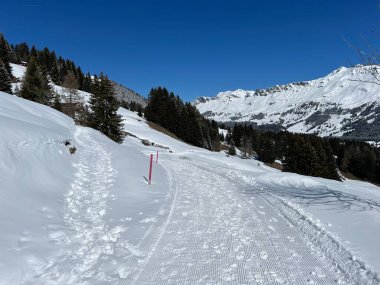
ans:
(5, 81)
(35, 85)
(331, 167)
(139, 111)
(267, 153)
(232, 149)
(22, 51)
(5, 54)
(104, 105)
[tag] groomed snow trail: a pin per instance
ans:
(88, 239)
(224, 230)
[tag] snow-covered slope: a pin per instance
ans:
(207, 218)
(63, 216)
(345, 102)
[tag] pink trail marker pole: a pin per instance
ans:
(150, 169)
(157, 157)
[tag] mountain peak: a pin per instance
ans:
(344, 102)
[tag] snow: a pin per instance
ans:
(61, 213)
(18, 71)
(207, 218)
(336, 94)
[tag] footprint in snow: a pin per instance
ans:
(264, 255)
(148, 220)
(127, 219)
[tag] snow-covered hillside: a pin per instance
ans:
(122, 93)
(345, 102)
(18, 72)
(64, 216)
(91, 218)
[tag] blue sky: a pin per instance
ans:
(196, 48)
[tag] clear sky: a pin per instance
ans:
(196, 48)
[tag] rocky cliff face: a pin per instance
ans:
(128, 95)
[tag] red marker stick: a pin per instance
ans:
(150, 169)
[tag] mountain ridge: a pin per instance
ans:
(346, 102)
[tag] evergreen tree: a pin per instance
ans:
(22, 51)
(5, 54)
(5, 81)
(87, 83)
(221, 137)
(35, 85)
(139, 111)
(267, 152)
(232, 149)
(330, 162)
(103, 115)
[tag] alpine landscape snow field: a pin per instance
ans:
(189, 142)
(206, 218)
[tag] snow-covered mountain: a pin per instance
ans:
(345, 102)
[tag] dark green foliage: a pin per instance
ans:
(87, 83)
(303, 154)
(22, 52)
(232, 149)
(310, 155)
(221, 137)
(267, 151)
(103, 115)
(35, 85)
(5, 80)
(357, 158)
(5, 54)
(182, 119)
(134, 107)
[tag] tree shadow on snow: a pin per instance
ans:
(325, 196)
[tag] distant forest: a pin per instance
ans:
(308, 154)
(182, 119)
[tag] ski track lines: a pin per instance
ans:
(219, 233)
(216, 226)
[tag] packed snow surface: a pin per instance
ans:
(92, 218)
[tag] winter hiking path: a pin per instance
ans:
(215, 225)
(225, 229)
(86, 238)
